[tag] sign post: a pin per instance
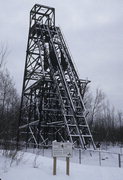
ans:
(62, 149)
(67, 166)
(54, 165)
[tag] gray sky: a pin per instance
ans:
(94, 33)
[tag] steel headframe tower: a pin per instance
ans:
(52, 105)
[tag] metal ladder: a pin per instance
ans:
(75, 121)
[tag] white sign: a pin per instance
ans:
(62, 149)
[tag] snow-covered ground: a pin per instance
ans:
(28, 166)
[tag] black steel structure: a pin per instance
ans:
(52, 105)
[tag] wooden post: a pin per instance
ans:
(67, 166)
(119, 159)
(99, 157)
(79, 156)
(42, 151)
(54, 165)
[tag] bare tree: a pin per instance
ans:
(120, 125)
(3, 55)
(9, 100)
(96, 106)
(104, 121)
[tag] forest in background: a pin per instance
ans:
(105, 122)
(9, 100)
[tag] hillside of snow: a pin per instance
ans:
(28, 166)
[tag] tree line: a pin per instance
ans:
(105, 122)
(9, 100)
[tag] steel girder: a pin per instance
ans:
(52, 105)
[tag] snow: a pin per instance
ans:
(28, 166)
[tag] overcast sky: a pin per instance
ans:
(94, 33)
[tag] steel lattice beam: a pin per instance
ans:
(52, 97)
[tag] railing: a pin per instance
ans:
(98, 157)
(85, 157)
